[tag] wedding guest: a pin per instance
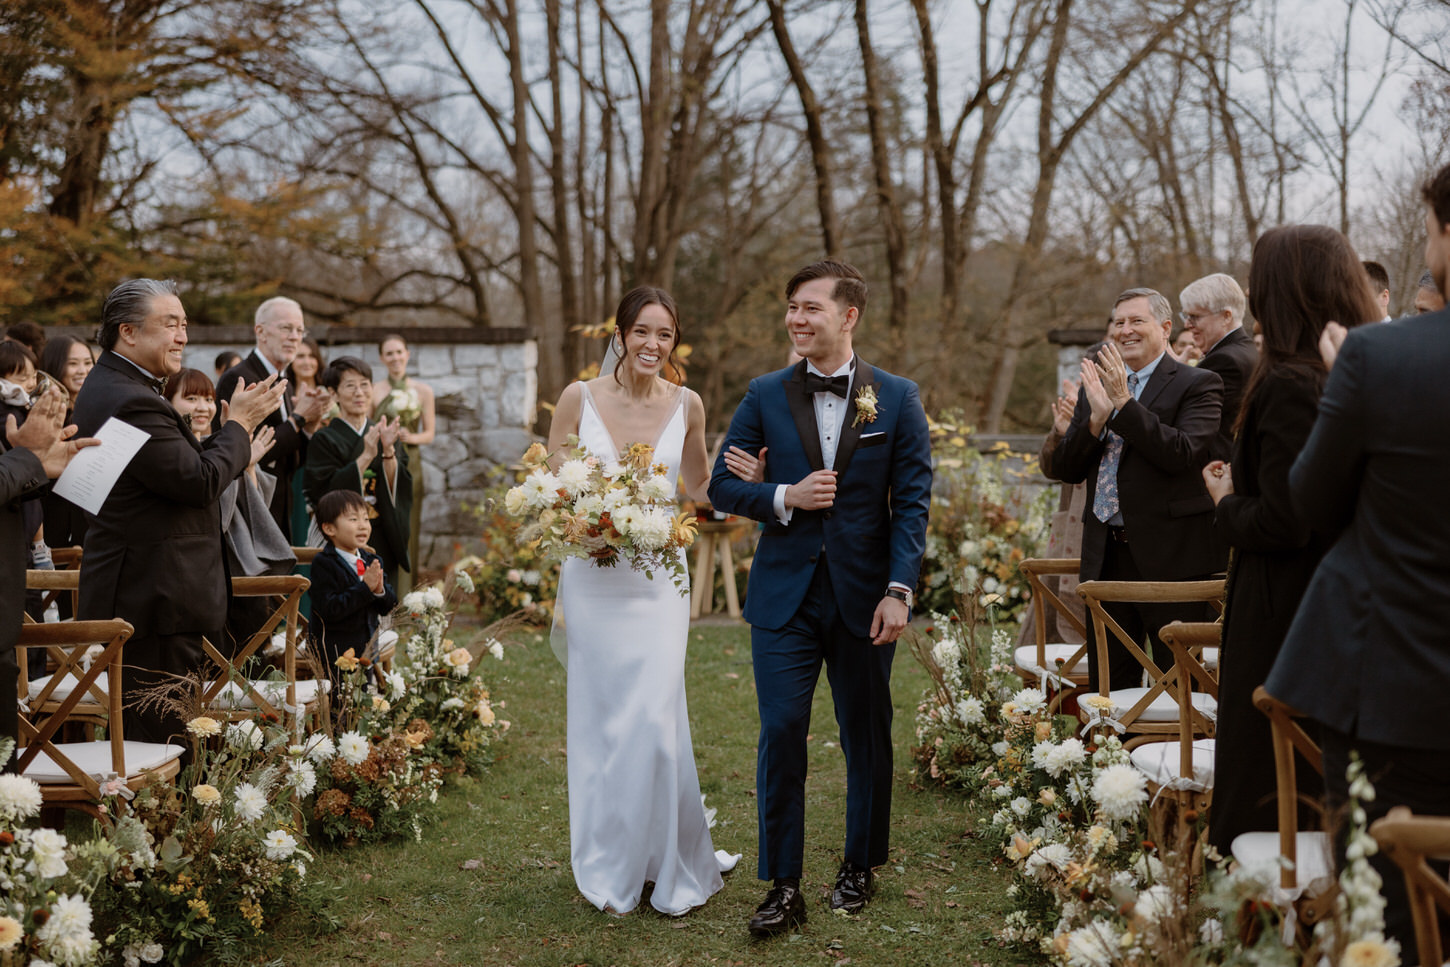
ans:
(1185, 349)
(68, 360)
(1428, 297)
(255, 545)
(1301, 278)
(17, 390)
(28, 334)
(1213, 311)
(304, 378)
(349, 593)
(409, 401)
(154, 553)
(38, 449)
(1379, 282)
(225, 360)
(354, 453)
(279, 330)
(1142, 430)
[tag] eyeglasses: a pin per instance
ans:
(1191, 318)
(290, 330)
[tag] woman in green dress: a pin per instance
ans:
(411, 402)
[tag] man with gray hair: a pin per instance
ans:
(1140, 436)
(279, 330)
(1213, 312)
(154, 554)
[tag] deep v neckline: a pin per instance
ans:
(659, 431)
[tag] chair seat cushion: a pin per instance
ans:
(66, 686)
(1313, 870)
(233, 696)
(94, 759)
(1026, 659)
(1210, 658)
(1159, 761)
(1163, 708)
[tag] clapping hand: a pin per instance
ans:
(373, 577)
(743, 465)
(44, 433)
(370, 444)
(311, 404)
(262, 441)
(1218, 479)
(1114, 373)
(1063, 406)
(1329, 342)
(1100, 406)
(388, 434)
(251, 403)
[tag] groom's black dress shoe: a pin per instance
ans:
(784, 908)
(853, 888)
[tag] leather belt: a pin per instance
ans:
(1119, 534)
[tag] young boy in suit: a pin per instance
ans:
(348, 590)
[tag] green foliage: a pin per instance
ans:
(510, 577)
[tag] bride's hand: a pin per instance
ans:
(743, 465)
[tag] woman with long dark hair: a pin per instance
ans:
(1302, 277)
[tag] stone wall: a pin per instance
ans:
(487, 389)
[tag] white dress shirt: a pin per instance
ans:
(830, 421)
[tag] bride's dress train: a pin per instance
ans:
(635, 811)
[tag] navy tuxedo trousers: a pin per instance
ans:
(787, 664)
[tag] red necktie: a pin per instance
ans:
(361, 567)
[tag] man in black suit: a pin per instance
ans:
(1213, 312)
(1366, 656)
(1140, 435)
(279, 330)
(39, 449)
(154, 554)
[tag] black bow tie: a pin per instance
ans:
(157, 383)
(816, 383)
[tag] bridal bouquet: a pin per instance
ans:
(604, 511)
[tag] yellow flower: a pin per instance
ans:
(1042, 731)
(10, 932)
(415, 740)
(1368, 953)
(638, 456)
(684, 530)
(204, 726)
(347, 661)
(1047, 797)
(1100, 704)
(865, 406)
(207, 795)
(535, 455)
(380, 704)
(458, 657)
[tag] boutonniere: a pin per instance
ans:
(865, 406)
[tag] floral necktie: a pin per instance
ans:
(1105, 500)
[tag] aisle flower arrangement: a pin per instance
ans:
(984, 522)
(608, 512)
(510, 577)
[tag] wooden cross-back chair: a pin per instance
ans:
(1180, 773)
(1148, 710)
(70, 774)
(1061, 664)
(53, 684)
(1413, 842)
(67, 561)
(1306, 870)
(289, 699)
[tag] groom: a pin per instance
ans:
(847, 487)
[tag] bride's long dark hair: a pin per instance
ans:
(634, 302)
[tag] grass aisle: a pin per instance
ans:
(490, 883)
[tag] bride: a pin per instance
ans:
(635, 811)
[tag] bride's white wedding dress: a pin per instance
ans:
(635, 812)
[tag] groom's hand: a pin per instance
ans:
(888, 621)
(816, 492)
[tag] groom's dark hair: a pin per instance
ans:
(850, 288)
(1437, 195)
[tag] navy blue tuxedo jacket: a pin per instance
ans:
(344, 612)
(874, 534)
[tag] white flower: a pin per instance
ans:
(1119, 790)
(152, 953)
(249, 802)
(624, 517)
(353, 748)
(450, 704)
(1029, 700)
(614, 499)
(574, 477)
(652, 529)
(1003, 791)
(10, 932)
(1095, 945)
(971, 711)
(320, 748)
(946, 653)
(1021, 806)
(1054, 856)
(516, 501)
(204, 726)
(540, 490)
(47, 854)
(1210, 931)
(999, 748)
(66, 935)
(20, 798)
(302, 777)
(279, 844)
(1369, 952)
(1154, 904)
(656, 488)
(433, 597)
(245, 735)
(495, 648)
(513, 576)
(397, 687)
(1040, 752)
(532, 578)
(464, 582)
(413, 602)
(1063, 756)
